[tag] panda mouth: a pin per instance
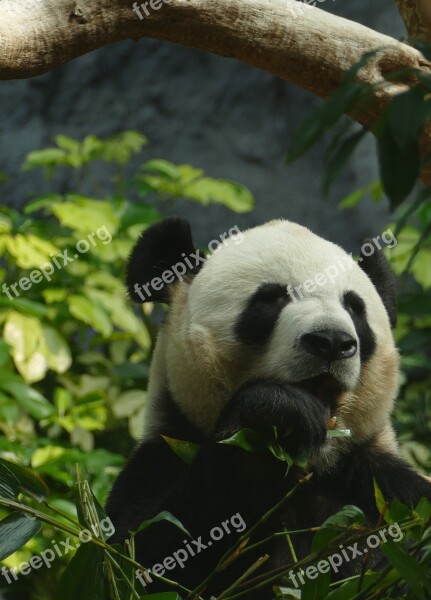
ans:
(324, 387)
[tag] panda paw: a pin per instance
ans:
(300, 418)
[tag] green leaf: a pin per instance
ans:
(185, 181)
(280, 453)
(5, 222)
(85, 215)
(376, 191)
(23, 480)
(29, 307)
(24, 333)
(324, 118)
(352, 199)
(49, 157)
(86, 311)
(41, 202)
(9, 485)
(419, 259)
(35, 346)
(333, 526)
(423, 509)
(162, 167)
(408, 113)
(30, 251)
(84, 576)
(30, 399)
(399, 167)
(349, 590)
(121, 314)
(139, 214)
(249, 440)
(232, 195)
(187, 451)
(163, 516)
(53, 295)
(421, 198)
(316, 588)
(338, 433)
(121, 147)
(15, 531)
(409, 568)
(253, 441)
(128, 403)
(47, 454)
(55, 349)
(67, 143)
(340, 158)
(380, 500)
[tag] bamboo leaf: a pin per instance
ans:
(15, 531)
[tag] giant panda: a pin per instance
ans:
(247, 343)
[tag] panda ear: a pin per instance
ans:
(378, 270)
(162, 256)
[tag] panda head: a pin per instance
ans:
(277, 302)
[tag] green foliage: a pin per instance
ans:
(99, 570)
(74, 353)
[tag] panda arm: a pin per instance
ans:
(223, 479)
(152, 478)
(395, 477)
(300, 418)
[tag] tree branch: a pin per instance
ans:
(295, 41)
(416, 15)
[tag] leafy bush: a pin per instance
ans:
(74, 354)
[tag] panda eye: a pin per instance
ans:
(354, 304)
(270, 293)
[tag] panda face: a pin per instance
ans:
(284, 305)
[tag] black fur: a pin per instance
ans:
(158, 249)
(256, 323)
(225, 480)
(378, 270)
(356, 308)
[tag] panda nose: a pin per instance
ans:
(329, 344)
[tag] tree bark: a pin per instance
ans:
(297, 42)
(417, 18)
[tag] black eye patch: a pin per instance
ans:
(257, 321)
(355, 306)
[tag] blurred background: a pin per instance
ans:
(229, 119)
